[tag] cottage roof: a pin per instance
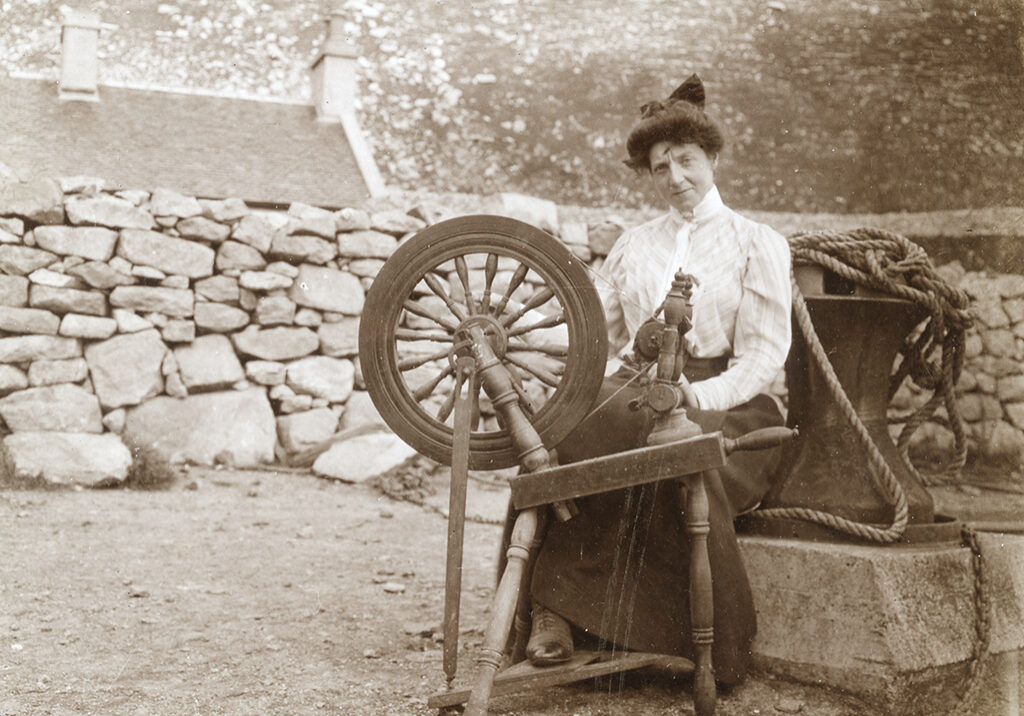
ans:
(200, 144)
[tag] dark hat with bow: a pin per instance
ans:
(680, 118)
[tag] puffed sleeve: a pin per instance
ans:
(608, 281)
(763, 330)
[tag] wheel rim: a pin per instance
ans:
(532, 298)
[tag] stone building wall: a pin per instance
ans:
(223, 333)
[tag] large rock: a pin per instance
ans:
(51, 372)
(167, 202)
(200, 428)
(176, 302)
(63, 408)
(224, 209)
(106, 210)
(219, 317)
(125, 369)
(166, 253)
(303, 248)
(264, 280)
(329, 378)
(203, 229)
(328, 290)
(208, 363)
(28, 320)
(23, 260)
(302, 430)
(89, 242)
(542, 213)
(66, 458)
(12, 379)
(99, 274)
(306, 219)
(13, 290)
(339, 339)
(350, 219)
(67, 300)
(256, 231)
(362, 457)
(359, 411)
(367, 245)
(23, 349)
(274, 311)
(40, 201)
(220, 289)
(283, 343)
(75, 325)
(265, 372)
(233, 256)
(395, 222)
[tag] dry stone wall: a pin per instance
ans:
(219, 333)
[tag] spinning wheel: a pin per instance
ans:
(530, 297)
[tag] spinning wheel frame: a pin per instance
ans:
(415, 263)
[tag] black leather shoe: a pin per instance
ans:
(550, 638)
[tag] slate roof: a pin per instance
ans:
(198, 144)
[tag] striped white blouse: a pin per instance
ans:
(741, 304)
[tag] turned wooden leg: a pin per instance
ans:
(702, 608)
(505, 601)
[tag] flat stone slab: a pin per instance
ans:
(894, 625)
(237, 424)
(56, 458)
(360, 458)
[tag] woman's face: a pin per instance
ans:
(682, 173)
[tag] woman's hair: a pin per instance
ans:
(680, 119)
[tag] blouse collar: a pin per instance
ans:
(707, 207)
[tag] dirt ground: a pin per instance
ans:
(268, 592)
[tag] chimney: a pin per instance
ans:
(334, 71)
(79, 36)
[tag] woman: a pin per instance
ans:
(618, 571)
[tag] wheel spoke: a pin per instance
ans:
(411, 334)
(490, 271)
(536, 300)
(525, 401)
(435, 285)
(551, 321)
(449, 403)
(417, 361)
(551, 349)
(413, 307)
(428, 388)
(518, 276)
(463, 271)
(541, 374)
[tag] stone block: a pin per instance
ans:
(362, 457)
(264, 280)
(349, 219)
(28, 320)
(308, 317)
(198, 428)
(13, 290)
(266, 372)
(303, 248)
(167, 202)
(232, 255)
(209, 363)
(175, 302)
(303, 430)
(52, 372)
(322, 377)
(367, 245)
(129, 321)
(12, 379)
(109, 211)
(178, 330)
(56, 458)
(55, 279)
(40, 201)
(224, 209)
(22, 260)
(24, 349)
(256, 231)
(90, 242)
(282, 343)
(221, 289)
(891, 624)
(98, 274)
(200, 228)
(166, 253)
(220, 318)
(67, 300)
(328, 290)
(75, 325)
(602, 236)
(360, 410)
(306, 219)
(274, 311)
(395, 222)
(125, 369)
(339, 339)
(62, 408)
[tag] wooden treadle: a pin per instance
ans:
(524, 676)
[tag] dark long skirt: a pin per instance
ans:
(620, 569)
